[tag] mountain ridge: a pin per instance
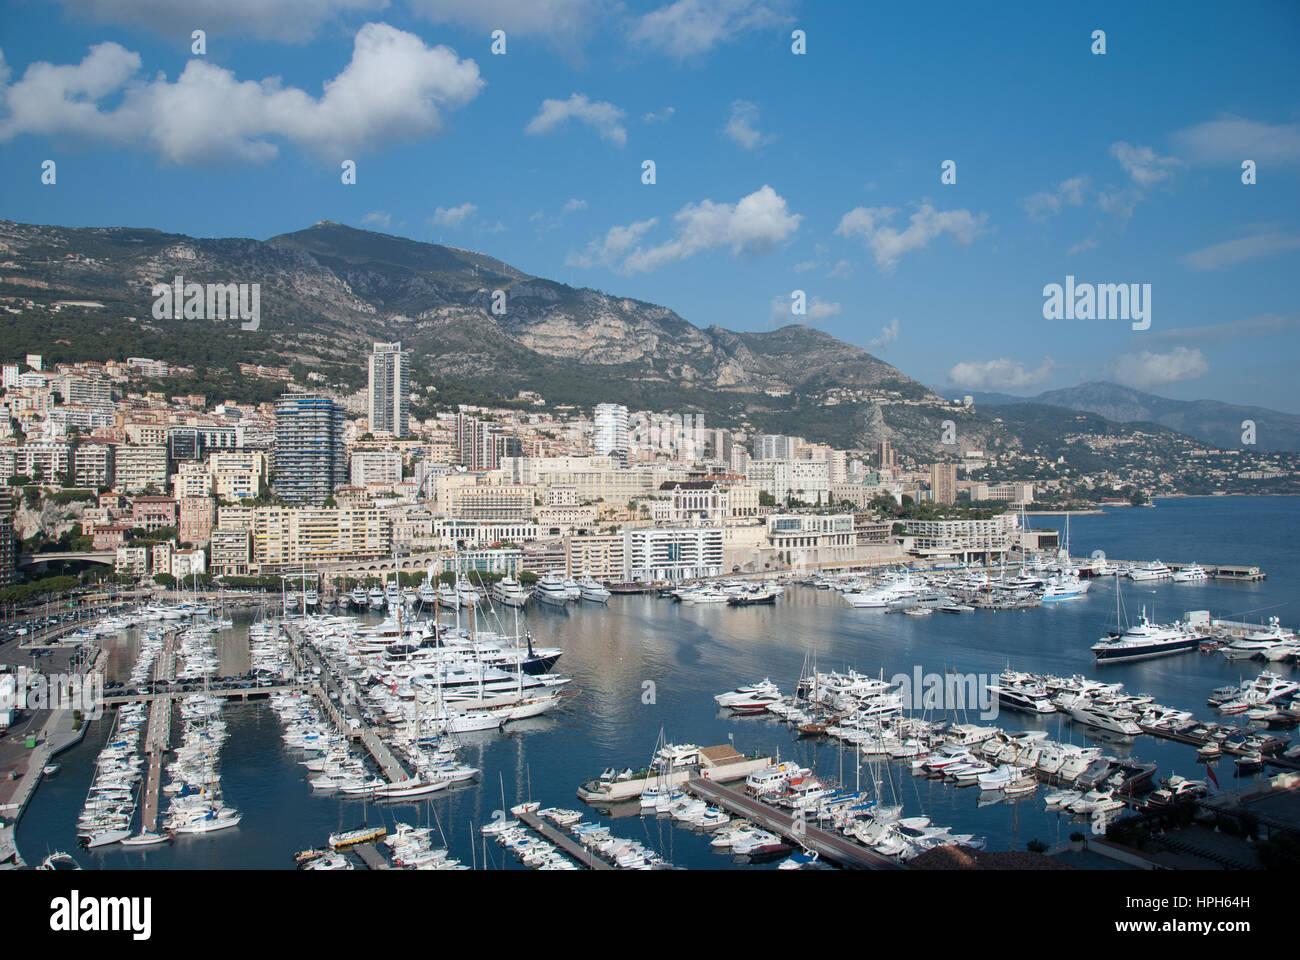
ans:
(1212, 421)
(329, 291)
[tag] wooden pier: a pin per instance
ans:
(828, 845)
(580, 854)
(157, 737)
(347, 717)
(1244, 572)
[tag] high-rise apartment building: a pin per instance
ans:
(310, 456)
(774, 446)
(611, 435)
(390, 389)
(943, 482)
(8, 543)
(481, 445)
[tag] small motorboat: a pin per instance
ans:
(106, 837)
(50, 769)
(146, 838)
(59, 861)
(1250, 762)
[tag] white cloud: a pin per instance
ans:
(1120, 204)
(688, 28)
(1230, 140)
(842, 268)
(1147, 369)
(616, 242)
(889, 245)
(1001, 374)
(604, 117)
(453, 216)
(750, 227)
(572, 205)
(742, 126)
(805, 266)
(377, 218)
(1143, 164)
(394, 88)
(1085, 244)
(1220, 255)
(1048, 203)
(663, 116)
(888, 335)
(289, 21)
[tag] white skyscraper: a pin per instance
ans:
(611, 436)
(390, 389)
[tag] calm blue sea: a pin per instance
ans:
(689, 653)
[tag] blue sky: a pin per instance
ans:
(774, 172)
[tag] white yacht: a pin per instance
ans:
(1063, 587)
(1266, 688)
(508, 592)
(376, 596)
(1144, 640)
(748, 693)
(551, 589)
(593, 590)
(1150, 571)
(1192, 574)
(1103, 718)
(883, 595)
(1024, 699)
(467, 596)
(1259, 643)
(705, 595)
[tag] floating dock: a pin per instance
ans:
(347, 718)
(580, 854)
(829, 846)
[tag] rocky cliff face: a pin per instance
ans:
(52, 519)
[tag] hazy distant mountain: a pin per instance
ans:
(1218, 424)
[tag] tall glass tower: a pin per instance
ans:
(310, 454)
(390, 389)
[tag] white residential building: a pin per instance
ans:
(672, 553)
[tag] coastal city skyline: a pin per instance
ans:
(736, 436)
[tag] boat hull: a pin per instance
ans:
(1121, 654)
(619, 790)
